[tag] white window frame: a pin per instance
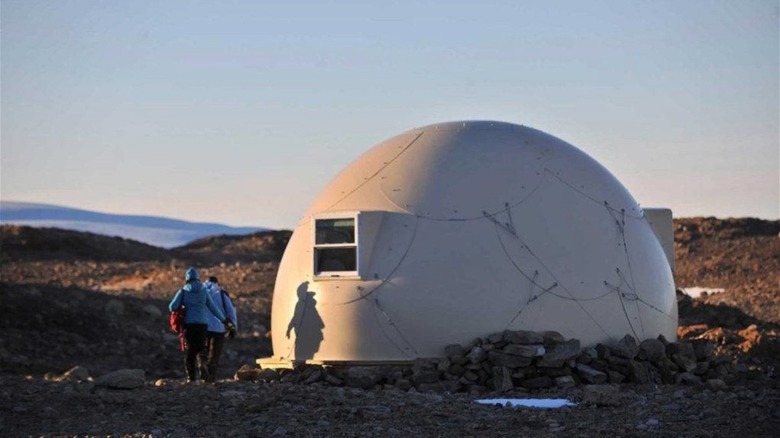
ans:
(336, 275)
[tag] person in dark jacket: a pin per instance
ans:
(197, 306)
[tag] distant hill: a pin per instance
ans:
(20, 242)
(152, 230)
(24, 243)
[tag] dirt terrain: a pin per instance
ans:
(76, 299)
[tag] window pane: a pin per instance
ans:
(335, 231)
(336, 259)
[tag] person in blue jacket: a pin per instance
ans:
(215, 338)
(197, 305)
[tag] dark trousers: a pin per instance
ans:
(209, 357)
(195, 335)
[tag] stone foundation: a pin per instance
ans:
(525, 359)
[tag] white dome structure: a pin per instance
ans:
(458, 230)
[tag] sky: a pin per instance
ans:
(240, 112)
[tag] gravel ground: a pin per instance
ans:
(73, 299)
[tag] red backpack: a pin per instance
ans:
(177, 323)
(177, 320)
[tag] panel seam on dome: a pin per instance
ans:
(390, 275)
(557, 283)
(376, 304)
(602, 203)
(377, 172)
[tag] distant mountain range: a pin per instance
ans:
(153, 230)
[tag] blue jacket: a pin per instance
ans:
(224, 304)
(197, 303)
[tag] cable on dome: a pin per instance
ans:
(387, 163)
(390, 275)
(392, 324)
(546, 290)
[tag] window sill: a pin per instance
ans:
(336, 276)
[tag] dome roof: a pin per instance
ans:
(459, 170)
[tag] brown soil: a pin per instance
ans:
(80, 299)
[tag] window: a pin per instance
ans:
(336, 246)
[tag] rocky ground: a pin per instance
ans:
(71, 299)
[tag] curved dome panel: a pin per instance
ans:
(460, 170)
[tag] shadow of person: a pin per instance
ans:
(307, 323)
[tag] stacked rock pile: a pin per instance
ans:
(530, 360)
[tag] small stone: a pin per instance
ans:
(424, 376)
(495, 338)
(717, 385)
(50, 412)
(524, 350)
(476, 355)
(523, 337)
(652, 349)
(537, 383)
(626, 347)
(602, 395)
(454, 350)
(335, 380)
(267, 375)
(152, 310)
(683, 349)
(115, 307)
(444, 364)
(314, 377)
(603, 351)
(559, 353)
(615, 377)
(500, 358)
(502, 379)
(685, 362)
(364, 377)
(703, 349)
(430, 387)
(565, 382)
(247, 373)
(671, 407)
(122, 379)
(591, 375)
(552, 337)
(687, 378)
(78, 373)
(640, 372)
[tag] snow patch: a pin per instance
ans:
(697, 291)
(547, 403)
(153, 230)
